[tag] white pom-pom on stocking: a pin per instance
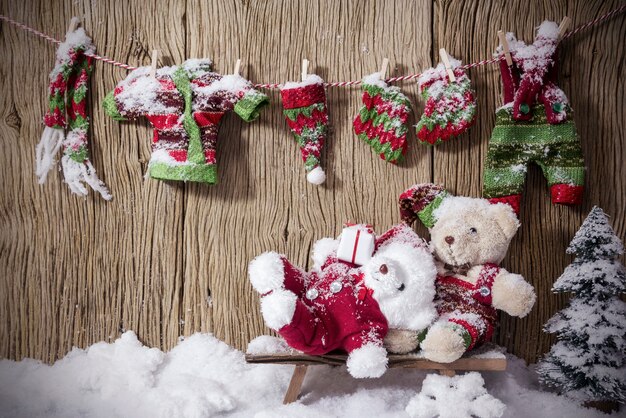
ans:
(278, 308)
(368, 361)
(47, 148)
(316, 176)
(267, 272)
(76, 173)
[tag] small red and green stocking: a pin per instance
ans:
(450, 105)
(304, 106)
(67, 111)
(382, 120)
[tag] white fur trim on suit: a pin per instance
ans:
(278, 308)
(267, 272)
(368, 361)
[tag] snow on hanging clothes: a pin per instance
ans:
(382, 120)
(67, 102)
(533, 125)
(184, 105)
(450, 105)
(588, 361)
(306, 113)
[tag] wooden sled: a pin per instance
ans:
(486, 359)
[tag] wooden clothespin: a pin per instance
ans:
(505, 48)
(237, 66)
(73, 25)
(564, 26)
(383, 69)
(305, 69)
(446, 62)
(153, 65)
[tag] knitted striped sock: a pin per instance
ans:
(382, 120)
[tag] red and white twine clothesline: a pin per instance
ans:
(573, 32)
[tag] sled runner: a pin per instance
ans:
(487, 358)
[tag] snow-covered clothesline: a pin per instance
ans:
(97, 57)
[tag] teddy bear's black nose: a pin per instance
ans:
(401, 288)
(449, 240)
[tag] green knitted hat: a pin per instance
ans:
(419, 201)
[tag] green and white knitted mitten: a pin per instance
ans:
(382, 120)
(450, 106)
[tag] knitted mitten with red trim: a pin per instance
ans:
(305, 110)
(450, 106)
(382, 120)
(67, 110)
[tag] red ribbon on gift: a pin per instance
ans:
(356, 245)
(370, 228)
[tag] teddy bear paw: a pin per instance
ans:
(513, 295)
(267, 272)
(444, 344)
(368, 361)
(278, 308)
(401, 341)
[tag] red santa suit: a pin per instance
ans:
(334, 309)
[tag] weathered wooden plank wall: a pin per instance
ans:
(167, 259)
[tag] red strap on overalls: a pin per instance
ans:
(526, 89)
(485, 283)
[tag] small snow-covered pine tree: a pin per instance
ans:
(588, 362)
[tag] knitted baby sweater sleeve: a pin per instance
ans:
(248, 108)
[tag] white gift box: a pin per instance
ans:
(356, 244)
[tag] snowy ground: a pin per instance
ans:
(203, 377)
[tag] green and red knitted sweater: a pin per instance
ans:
(184, 104)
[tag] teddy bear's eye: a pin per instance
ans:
(473, 230)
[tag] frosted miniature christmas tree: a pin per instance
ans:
(588, 362)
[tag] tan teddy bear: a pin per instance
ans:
(469, 238)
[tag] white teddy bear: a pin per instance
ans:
(469, 237)
(339, 305)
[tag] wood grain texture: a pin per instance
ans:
(169, 259)
(295, 384)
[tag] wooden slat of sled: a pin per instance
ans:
(395, 361)
(303, 361)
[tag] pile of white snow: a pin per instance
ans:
(203, 377)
